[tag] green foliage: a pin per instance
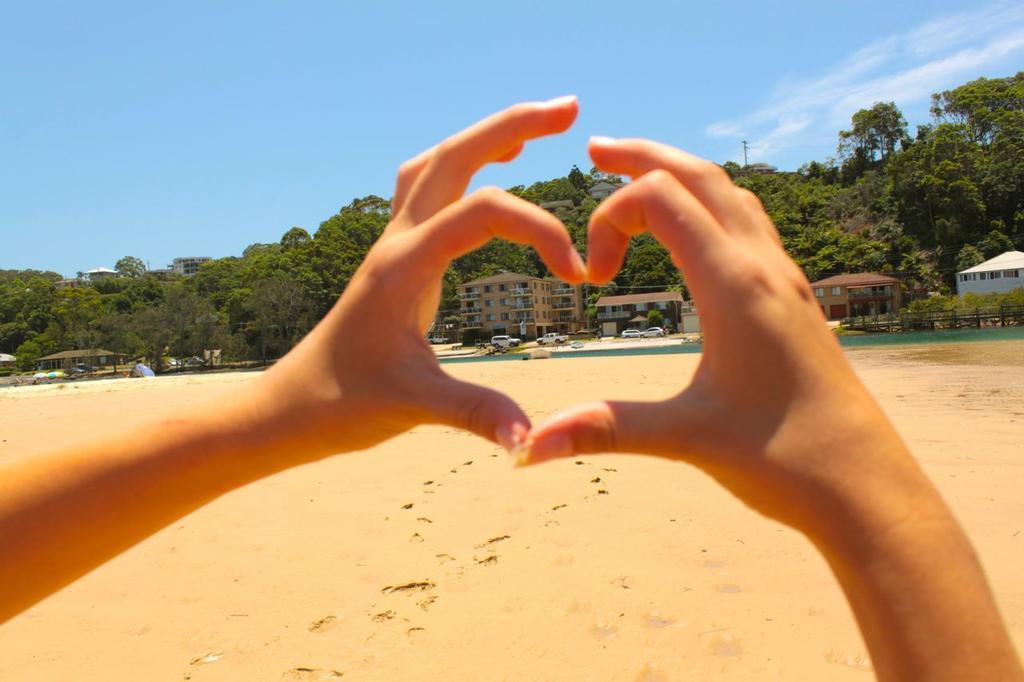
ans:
(655, 318)
(130, 266)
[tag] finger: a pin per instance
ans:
(490, 212)
(452, 164)
(613, 426)
(706, 180)
(411, 169)
(658, 203)
(407, 174)
(484, 411)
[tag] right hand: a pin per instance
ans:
(774, 411)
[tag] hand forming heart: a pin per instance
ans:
(770, 376)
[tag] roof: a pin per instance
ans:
(652, 297)
(503, 276)
(639, 318)
(604, 184)
(83, 353)
(4, 357)
(98, 271)
(856, 279)
(1010, 259)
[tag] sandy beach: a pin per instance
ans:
(430, 557)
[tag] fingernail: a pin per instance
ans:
(552, 447)
(512, 437)
(602, 140)
(560, 101)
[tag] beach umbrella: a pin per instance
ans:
(142, 370)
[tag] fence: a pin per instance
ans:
(943, 319)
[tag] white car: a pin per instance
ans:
(437, 339)
(505, 341)
(553, 338)
(653, 331)
(631, 334)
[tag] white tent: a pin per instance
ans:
(6, 359)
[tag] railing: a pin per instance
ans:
(517, 320)
(563, 305)
(472, 309)
(615, 315)
(465, 295)
(869, 293)
(520, 291)
(522, 306)
(940, 319)
(563, 291)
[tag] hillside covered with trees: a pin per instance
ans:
(919, 204)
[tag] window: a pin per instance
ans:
(819, 292)
(489, 303)
(487, 288)
(836, 291)
(490, 317)
(504, 317)
(984, 275)
(502, 287)
(995, 275)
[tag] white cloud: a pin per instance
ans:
(905, 68)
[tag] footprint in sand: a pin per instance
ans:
(714, 563)
(323, 624)
(312, 674)
(726, 646)
(856, 661)
(728, 588)
(604, 631)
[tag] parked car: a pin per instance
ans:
(651, 332)
(553, 339)
(437, 339)
(631, 334)
(505, 341)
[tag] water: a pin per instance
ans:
(910, 338)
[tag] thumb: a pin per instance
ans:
(484, 411)
(606, 426)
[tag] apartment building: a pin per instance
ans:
(188, 265)
(857, 294)
(615, 313)
(520, 305)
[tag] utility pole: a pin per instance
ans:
(745, 145)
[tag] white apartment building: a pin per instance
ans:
(188, 265)
(999, 275)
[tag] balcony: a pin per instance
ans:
(527, 305)
(617, 315)
(471, 323)
(520, 291)
(870, 292)
(517, 320)
(471, 309)
(563, 305)
(467, 295)
(563, 291)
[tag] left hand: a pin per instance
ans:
(366, 373)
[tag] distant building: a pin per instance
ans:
(96, 274)
(858, 294)
(604, 189)
(615, 313)
(762, 169)
(188, 265)
(520, 305)
(1001, 274)
(93, 357)
(7, 360)
(559, 203)
(65, 283)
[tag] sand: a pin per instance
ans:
(429, 557)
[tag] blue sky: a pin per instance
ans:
(197, 128)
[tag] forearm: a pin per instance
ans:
(64, 513)
(914, 582)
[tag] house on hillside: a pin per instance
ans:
(1001, 274)
(857, 294)
(96, 274)
(7, 360)
(604, 189)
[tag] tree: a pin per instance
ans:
(130, 266)
(968, 257)
(295, 237)
(655, 318)
(995, 243)
(578, 180)
(872, 138)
